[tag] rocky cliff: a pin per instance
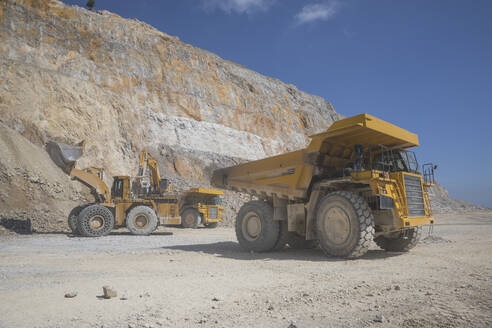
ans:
(69, 74)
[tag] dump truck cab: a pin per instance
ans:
(354, 183)
(201, 205)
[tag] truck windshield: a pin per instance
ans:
(395, 161)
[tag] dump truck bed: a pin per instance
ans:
(289, 175)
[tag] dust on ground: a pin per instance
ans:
(201, 278)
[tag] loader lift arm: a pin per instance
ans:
(147, 161)
(66, 156)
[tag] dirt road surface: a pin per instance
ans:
(201, 278)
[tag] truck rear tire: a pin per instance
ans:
(73, 217)
(141, 220)
(403, 242)
(255, 228)
(95, 221)
(190, 218)
(344, 224)
(297, 242)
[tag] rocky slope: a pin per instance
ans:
(68, 74)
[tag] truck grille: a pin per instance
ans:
(213, 212)
(415, 198)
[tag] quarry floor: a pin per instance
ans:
(201, 278)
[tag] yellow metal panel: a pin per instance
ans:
(205, 191)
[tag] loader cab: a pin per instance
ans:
(121, 187)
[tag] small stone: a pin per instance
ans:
(216, 299)
(397, 287)
(270, 308)
(292, 325)
(109, 292)
(370, 295)
(379, 318)
(70, 294)
(202, 320)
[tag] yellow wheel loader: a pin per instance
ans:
(353, 184)
(140, 203)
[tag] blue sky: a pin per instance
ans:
(423, 65)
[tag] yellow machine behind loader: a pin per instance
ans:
(353, 184)
(138, 203)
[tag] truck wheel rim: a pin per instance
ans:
(337, 225)
(96, 222)
(251, 226)
(141, 221)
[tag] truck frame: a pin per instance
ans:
(354, 183)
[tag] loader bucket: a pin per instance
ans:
(65, 156)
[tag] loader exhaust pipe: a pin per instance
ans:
(65, 156)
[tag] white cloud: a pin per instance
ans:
(238, 6)
(317, 11)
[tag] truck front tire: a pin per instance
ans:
(255, 228)
(402, 242)
(141, 220)
(190, 218)
(344, 224)
(95, 221)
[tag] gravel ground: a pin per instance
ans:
(201, 278)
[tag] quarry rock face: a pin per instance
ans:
(68, 74)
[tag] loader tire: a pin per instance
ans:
(211, 225)
(297, 242)
(255, 228)
(95, 221)
(403, 242)
(73, 216)
(190, 218)
(283, 236)
(344, 224)
(141, 220)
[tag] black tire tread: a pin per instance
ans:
(400, 244)
(270, 228)
(73, 217)
(283, 236)
(83, 221)
(152, 218)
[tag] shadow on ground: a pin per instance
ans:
(21, 227)
(232, 250)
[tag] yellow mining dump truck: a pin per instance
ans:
(139, 203)
(353, 184)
